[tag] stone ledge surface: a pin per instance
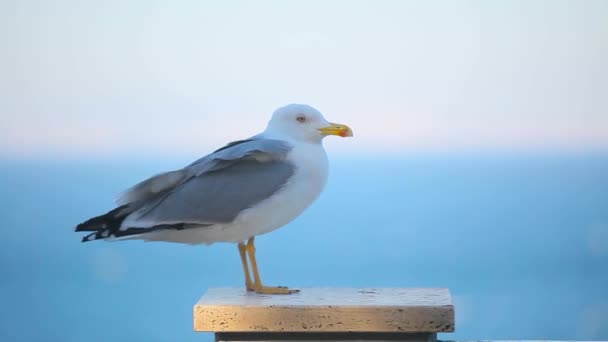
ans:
(403, 310)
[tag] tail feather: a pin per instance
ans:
(120, 234)
(103, 226)
(108, 226)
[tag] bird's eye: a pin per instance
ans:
(301, 118)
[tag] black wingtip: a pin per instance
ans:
(89, 237)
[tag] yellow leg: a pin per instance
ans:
(257, 281)
(243, 252)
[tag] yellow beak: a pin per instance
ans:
(336, 129)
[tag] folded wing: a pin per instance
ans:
(213, 189)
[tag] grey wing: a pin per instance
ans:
(153, 187)
(215, 188)
(219, 196)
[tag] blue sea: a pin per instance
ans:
(521, 240)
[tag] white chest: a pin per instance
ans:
(310, 176)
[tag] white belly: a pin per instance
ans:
(302, 189)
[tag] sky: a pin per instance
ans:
(114, 78)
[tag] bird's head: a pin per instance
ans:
(304, 123)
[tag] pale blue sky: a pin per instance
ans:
(116, 77)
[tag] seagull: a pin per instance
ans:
(246, 188)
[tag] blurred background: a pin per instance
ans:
(479, 162)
